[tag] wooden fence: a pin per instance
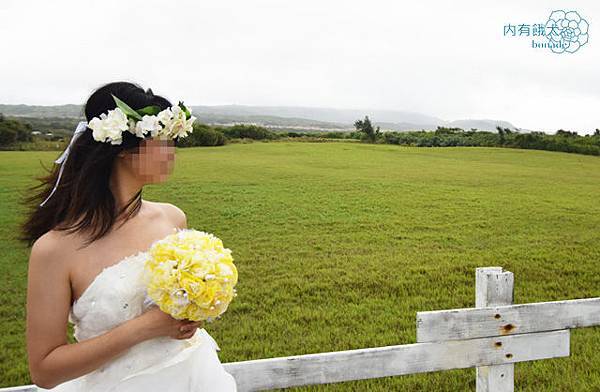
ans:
(492, 337)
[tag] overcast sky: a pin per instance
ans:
(441, 58)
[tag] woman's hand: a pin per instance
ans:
(154, 323)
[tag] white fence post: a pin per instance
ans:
(494, 287)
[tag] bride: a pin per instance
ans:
(88, 241)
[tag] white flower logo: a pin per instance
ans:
(566, 31)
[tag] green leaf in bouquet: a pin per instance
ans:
(126, 109)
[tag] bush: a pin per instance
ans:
(203, 135)
(13, 131)
(248, 131)
(7, 136)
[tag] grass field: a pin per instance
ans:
(338, 245)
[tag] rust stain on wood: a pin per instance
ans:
(505, 329)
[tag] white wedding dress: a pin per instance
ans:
(161, 364)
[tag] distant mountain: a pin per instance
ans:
(267, 121)
(288, 117)
(21, 110)
(387, 119)
(343, 116)
(481, 124)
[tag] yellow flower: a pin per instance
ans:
(189, 274)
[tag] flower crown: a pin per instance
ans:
(173, 122)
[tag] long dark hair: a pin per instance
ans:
(83, 200)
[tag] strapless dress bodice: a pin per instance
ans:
(116, 295)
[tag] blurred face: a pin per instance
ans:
(153, 161)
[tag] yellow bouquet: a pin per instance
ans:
(190, 275)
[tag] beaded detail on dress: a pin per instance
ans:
(125, 294)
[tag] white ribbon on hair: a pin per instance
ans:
(81, 127)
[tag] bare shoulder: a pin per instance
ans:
(48, 269)
(50, 260)
(175, 214)
(47, 249)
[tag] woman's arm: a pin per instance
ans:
(52, 360)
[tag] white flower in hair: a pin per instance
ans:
(177, 125)
(132, 125)
(172, 122)
(145, 125)
(165, 117)
(109, 126)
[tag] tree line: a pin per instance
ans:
(14, 133)
(564, 141)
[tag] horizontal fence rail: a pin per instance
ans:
(507, 320)
(338, 366)
(491, 337)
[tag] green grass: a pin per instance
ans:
(338, 245)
